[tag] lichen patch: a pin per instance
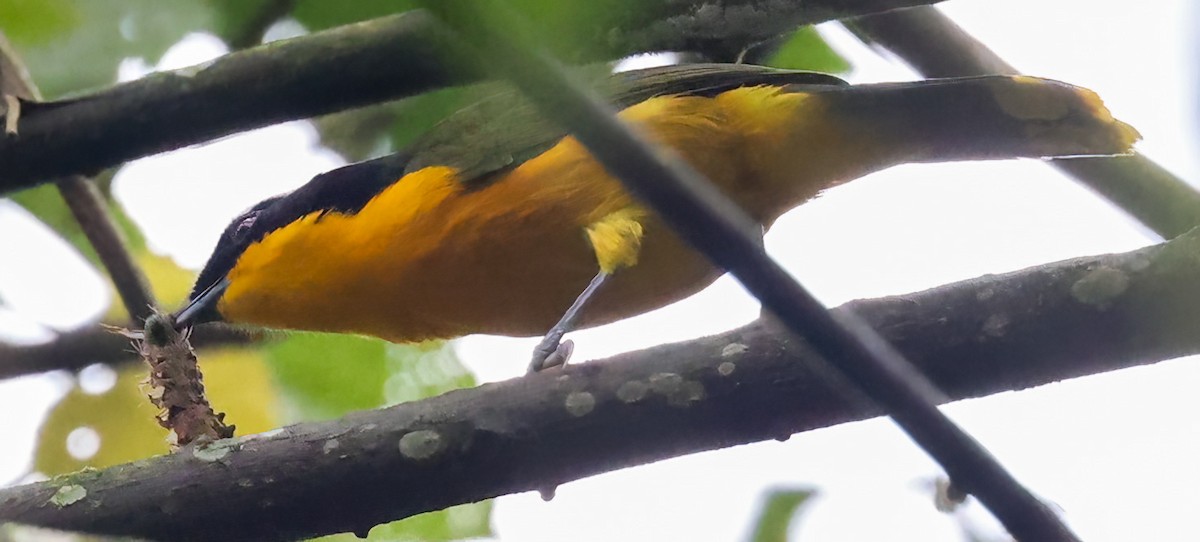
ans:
(68, 495)
(420, 445)
(580, 403)
(1100, 286)
(632, 391)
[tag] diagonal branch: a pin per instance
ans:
(339, 69)
(937, 47)
(91, 212)
(974, 338)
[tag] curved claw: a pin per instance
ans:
(551, 352)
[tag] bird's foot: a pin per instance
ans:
(551, 352)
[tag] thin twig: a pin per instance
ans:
(937, 47)
(91, 211)
(12, 114)
(343, 68)
(974, 338)
(14, 78)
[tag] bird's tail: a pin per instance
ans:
(988, 117)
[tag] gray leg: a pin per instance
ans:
(552, 351)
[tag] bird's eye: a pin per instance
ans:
(244, 226)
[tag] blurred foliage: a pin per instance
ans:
(71, 45)
(777, 514)
(47, 204)
(454, 523)
(323, 376)
(317, 382)
(372, 131)
(420, 113)
(37, 22)
(242, 23)
(805, 49)
(359, 134)
(171, 283)
(231, 18)
(318, 15)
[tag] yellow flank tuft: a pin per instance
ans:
(617, 239)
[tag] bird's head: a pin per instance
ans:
(344, 191)
(245, 230)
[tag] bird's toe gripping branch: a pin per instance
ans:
(616, 240)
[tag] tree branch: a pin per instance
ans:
(343, 68)
(973, 338)
(937, 47)
(79, 348)
(90, 210)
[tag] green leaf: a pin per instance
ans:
(37, 22)
(81, 45)
(423, 370)
(455, 523)
(777, 514)
(807, 50)
(324, 376)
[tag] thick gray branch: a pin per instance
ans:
(343, 68)
(974, 338)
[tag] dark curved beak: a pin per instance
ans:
(201, 306)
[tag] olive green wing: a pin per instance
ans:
(504, 130)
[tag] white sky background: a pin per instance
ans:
(1116, 452)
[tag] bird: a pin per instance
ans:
(497, 221)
